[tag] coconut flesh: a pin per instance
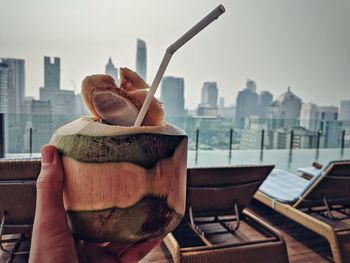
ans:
(122, 183)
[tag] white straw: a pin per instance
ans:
(168, 54)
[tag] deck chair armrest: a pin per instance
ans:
(308, 172)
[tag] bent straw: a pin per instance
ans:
(168, 54)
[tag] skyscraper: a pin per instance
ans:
(246, 103)
(172, 96)
(264, 101)
(16, 84)
(3, 105)
(111, 70)
(52, 73)
(51, 79)
(310, 116)
(15, 120)
(3, 87)
(141, 59)
(61, 106)
(330, 127)
(210, 94)
(344, 113)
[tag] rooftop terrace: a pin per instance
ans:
(302, 244)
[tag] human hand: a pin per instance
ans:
(52, 240)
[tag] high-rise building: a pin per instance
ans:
(323, 119)
(302, 138)
(111, 70)
(52, 73)
(141, 59)
(62, 102)
(284, 112)
(41, 122)
(16, 84)
(251, 134)
(15, 125)
(63, 107)
(209, 100)
(330, 127)
(3, 87)
(309, 116)
(289, 105)
(210, 94)
(172, 96)
(264, 101)
(344, 113)
(246, 103)
(3, 107)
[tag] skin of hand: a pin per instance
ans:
(52, 240)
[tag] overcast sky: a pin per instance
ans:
(304, 44)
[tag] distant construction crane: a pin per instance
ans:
(76, 90)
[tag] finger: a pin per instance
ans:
(51, 235)
(50, 181)
(117, 248)
(138, 251)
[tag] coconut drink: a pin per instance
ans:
(122, 183)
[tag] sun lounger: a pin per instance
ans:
(17, 200)
(217, 226)
(321, 204)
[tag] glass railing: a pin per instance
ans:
(217, 133)
(212, 141)
(27, 133)
(289, 160)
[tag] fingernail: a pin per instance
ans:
(47, 154)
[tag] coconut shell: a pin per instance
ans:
(122, 184)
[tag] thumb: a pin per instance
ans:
(50, 182)
(51, 238)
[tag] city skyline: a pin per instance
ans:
(251, 85)
(302, 44)
(280, 117)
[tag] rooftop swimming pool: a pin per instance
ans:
(283, 159)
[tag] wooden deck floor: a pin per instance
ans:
(303, 245)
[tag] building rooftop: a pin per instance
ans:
(288, 95)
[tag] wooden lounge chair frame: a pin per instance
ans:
(17, 201)
(317, 214)
(229, 217)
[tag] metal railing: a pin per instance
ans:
(26, 133)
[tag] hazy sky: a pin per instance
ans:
(301, 43)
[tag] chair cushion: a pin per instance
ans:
(283, 186)
(286, 187)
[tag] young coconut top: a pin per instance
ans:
(120, 106)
